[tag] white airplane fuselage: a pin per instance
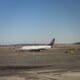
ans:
(38, 47)
(35, 47)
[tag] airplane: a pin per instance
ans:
(38, 47)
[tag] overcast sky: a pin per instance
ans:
(33, 21)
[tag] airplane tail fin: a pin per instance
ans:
(52, 42)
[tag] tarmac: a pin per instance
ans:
(53, 64)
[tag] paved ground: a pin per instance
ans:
(54, 64)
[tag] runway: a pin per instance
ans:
(43, 65)
(54, 57)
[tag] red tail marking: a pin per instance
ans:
(52, 43)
